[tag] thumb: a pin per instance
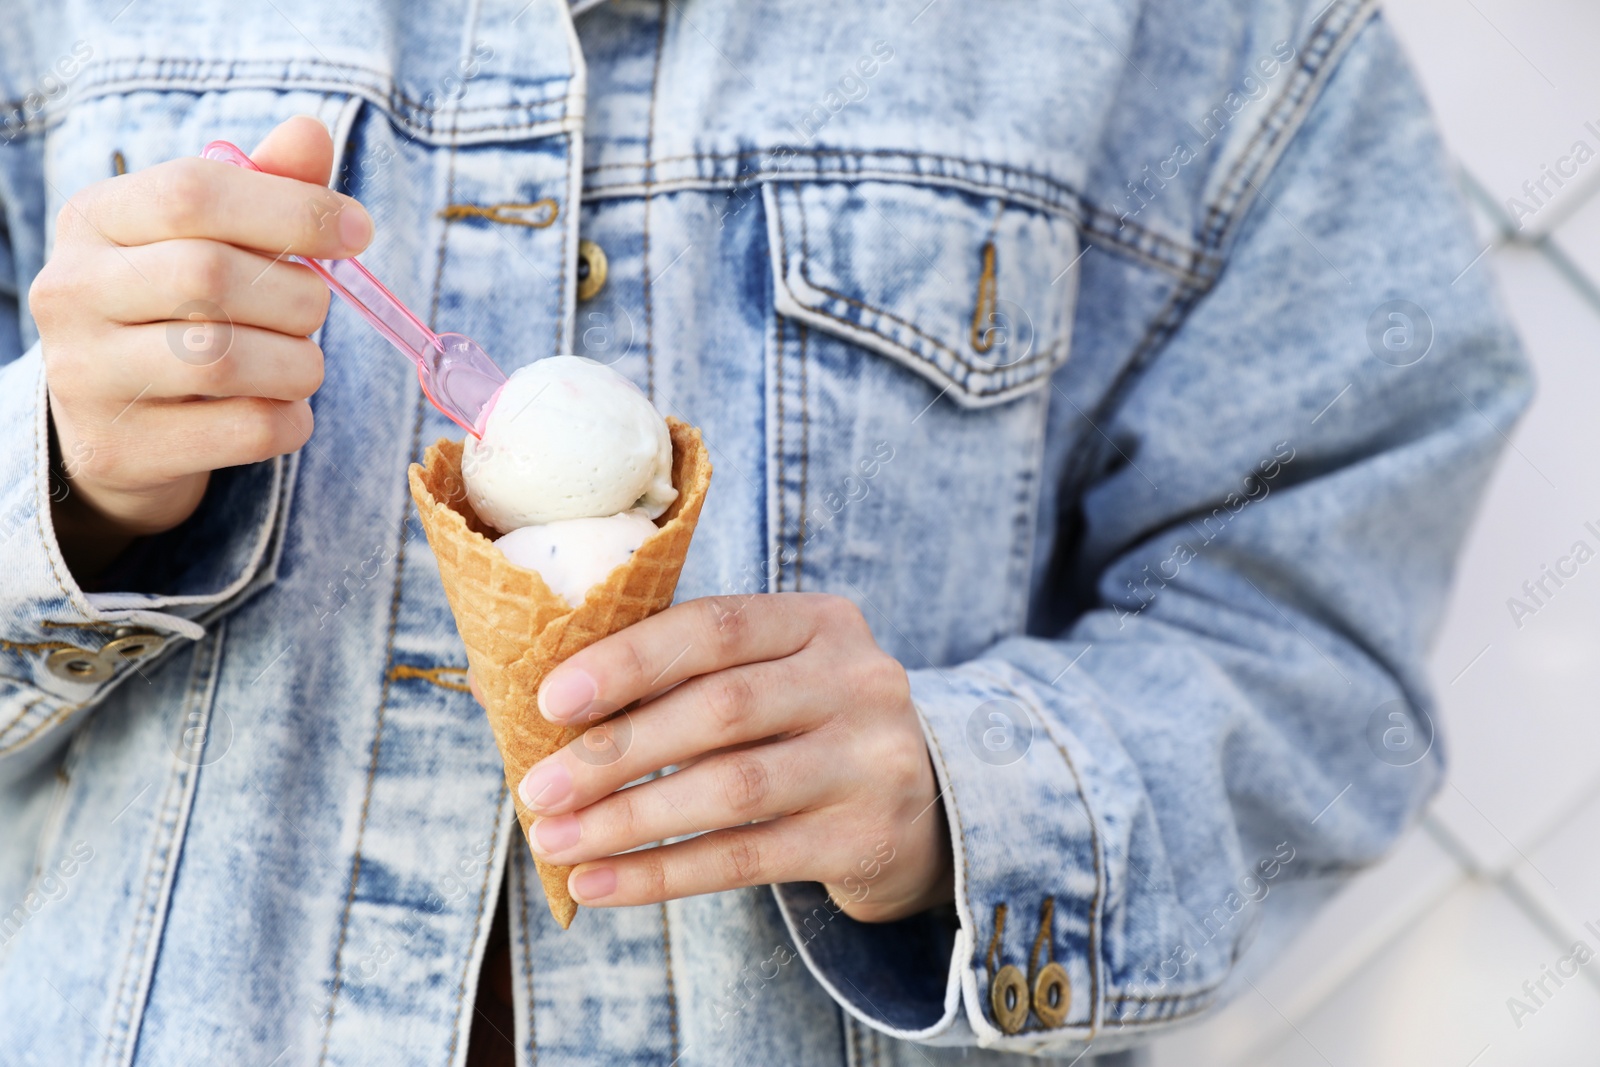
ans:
(298, 148)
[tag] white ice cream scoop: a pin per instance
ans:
(575, 555)
(568, 438)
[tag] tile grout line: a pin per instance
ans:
(1327, 980)
(1548, 828)
(1551, 917)
(1541, 244)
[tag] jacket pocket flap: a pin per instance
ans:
(973, 293)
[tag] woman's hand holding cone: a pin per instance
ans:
(801, 759)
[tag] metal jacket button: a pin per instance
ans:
(591, 269)
(1052, 995)
(1008, 996)
(94, 665)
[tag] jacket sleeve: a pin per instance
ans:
(1235, 716)
(63, 648)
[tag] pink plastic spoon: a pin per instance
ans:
(457, 376)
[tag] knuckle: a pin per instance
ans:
(69, 375)
(834, 616)
(307, 369)
(724, 624)
(67, 219)
(718, 607)
(902, 760)
(319, 219)
(838, 613)
(181, 193)
(70, 218)
(303, 306)
(261, 431)
(627, 667)
(741, 859)
(204, 272)
(745, 785)
(302, 421)
(66, 290)
(309, 308)
(728, 702)
(217, 378)
(653, 875)
(622, 817)
(885, 679)
(47, 295)
(274, 428)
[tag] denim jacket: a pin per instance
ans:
(1125, 361)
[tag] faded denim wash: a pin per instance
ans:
(1062, 339)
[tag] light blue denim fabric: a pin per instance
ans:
(1059, 338)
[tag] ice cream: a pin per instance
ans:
(574, 555)
(573, 466)
(568, 438)
(595, 497)
(515, 629)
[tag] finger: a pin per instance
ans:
(686, 640)
(778, 851)
(152, 443)
(728, 789)
(711, 712)
(205, 198)
(172, 360)
(186, 277)
(298, 148)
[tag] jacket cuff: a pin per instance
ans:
(1017, 967)
(62, 648)
(899, 977)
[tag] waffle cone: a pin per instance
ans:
(516, 630)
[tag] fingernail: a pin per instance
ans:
(593, 884)
(355, 226)
(565, 693)
(556, 833)
(545, 785)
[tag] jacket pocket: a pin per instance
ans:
(971, 292)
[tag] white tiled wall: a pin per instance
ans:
(1414, 964)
